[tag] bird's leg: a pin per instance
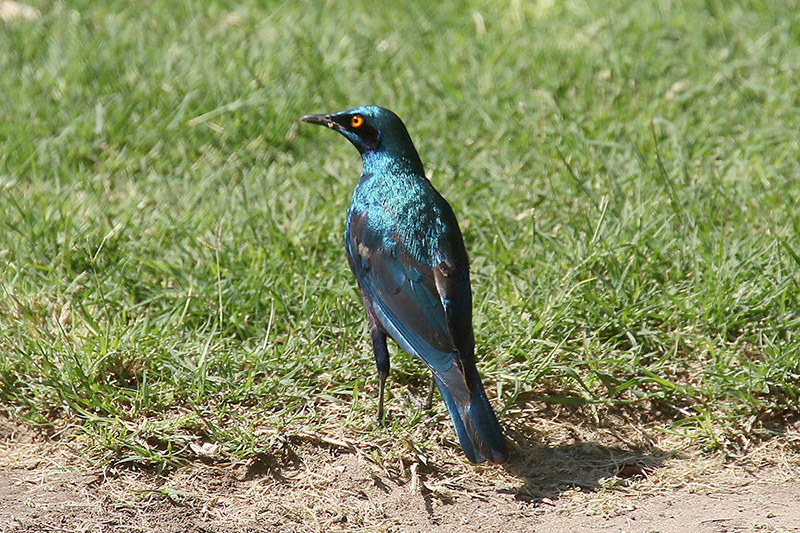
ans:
(429, 400)
(382, 385)
(382, 362)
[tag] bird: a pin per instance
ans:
(407, 253)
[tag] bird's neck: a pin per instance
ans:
(380, 162)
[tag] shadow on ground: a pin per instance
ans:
(547, 471)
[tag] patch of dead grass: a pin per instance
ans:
(333, 481)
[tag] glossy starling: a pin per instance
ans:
(406, 251)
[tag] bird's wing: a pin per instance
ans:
(411, 299)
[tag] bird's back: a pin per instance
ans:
(404, 206)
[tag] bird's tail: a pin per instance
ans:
(476, 425)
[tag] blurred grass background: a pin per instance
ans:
(171, 257)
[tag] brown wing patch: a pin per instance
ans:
(444, 276)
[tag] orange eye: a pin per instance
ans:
(356, 121)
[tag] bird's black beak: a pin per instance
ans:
(322, 120)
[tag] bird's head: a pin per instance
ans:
(371, 129)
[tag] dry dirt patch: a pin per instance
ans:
(10, 10)
(572, 486)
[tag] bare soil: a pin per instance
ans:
(330, 485)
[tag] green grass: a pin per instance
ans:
(171, 258)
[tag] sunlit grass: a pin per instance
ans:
(171, 258)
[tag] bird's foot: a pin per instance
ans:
(429, 399)
(416, 403)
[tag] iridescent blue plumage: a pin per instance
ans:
(406, 251)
